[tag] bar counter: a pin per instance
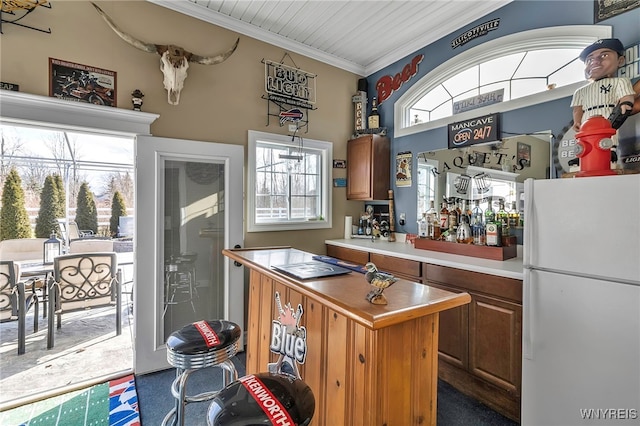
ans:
(367, 364)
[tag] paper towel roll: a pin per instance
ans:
(348, 222)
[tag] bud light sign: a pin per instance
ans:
(288, 340)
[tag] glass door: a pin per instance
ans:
(189, 208)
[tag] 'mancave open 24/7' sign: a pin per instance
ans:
(474, 131)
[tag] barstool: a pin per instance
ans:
(263, 398)
(196, 346)
(180, 281)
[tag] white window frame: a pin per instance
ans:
(322, 222)
(571, 36)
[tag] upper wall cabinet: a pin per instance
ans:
(368, 168)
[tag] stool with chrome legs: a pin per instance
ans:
(180, 281)
(196, 346)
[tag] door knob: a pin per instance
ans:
(235, 262)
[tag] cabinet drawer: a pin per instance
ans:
(504, 288)
(396, 265)
(349, 255)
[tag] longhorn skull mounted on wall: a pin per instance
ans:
(174, 60)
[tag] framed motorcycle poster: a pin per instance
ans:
(82, 83)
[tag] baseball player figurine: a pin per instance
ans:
(606, 94)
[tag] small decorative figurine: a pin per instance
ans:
(379, 281)
(136, 99)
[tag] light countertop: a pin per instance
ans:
(510, 268)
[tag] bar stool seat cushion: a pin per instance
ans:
(263, 399)
(203, 336)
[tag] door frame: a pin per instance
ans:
(151, 153)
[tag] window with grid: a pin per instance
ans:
(288, 184)
(527, 68)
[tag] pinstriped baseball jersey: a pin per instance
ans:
(601, 96)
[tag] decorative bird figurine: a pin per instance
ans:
(379, 281)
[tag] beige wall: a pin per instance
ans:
(219, 103)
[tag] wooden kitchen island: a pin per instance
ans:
(369, 365)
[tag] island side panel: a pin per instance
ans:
(318, 343)
(363, 376)
(358, 376)
(407, 372)
(261, 310)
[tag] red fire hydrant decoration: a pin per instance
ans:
(594, 147)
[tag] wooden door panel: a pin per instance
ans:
(495, 342)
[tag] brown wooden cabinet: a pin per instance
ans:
(368, 168)
(349, 255)
(409, 270)
(480, 344)
(402, 268)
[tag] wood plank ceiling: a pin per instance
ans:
(361, 36)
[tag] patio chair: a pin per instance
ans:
(72, 231)
(15, 302)
(83, 281)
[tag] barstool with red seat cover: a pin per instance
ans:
(196, 346)
(263, 399)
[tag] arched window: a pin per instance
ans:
(526, 68)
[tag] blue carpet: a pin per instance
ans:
(155, 400)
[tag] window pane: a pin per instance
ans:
(529, 86)
(505, 85)
(500, 68)
(567, 75)
(462, 82)
(539, 63)
(446, 110)
(432, 99)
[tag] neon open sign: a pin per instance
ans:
(474, 131)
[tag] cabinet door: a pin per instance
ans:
(495, 341)
(349, 255)
(359, 168)
(453, 340)
(410, 270)
(368, 168)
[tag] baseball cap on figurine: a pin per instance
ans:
(604, 43)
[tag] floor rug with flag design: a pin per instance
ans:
(113, 403)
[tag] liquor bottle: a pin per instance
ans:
(465, 213)
(444, 218)
(514, 216)
(493, 233)
(503, 217)
(423, 226)
(374, 117)
(463, 233)
(489, 213)
(433, 225)
(477, 224)
(454, 216)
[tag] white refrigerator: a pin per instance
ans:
(581, 302)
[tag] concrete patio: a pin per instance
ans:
(86, 351)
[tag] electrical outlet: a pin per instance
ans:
(293, 127)
(402, 219)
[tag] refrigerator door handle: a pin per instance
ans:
(527, 338)
(527, 236)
